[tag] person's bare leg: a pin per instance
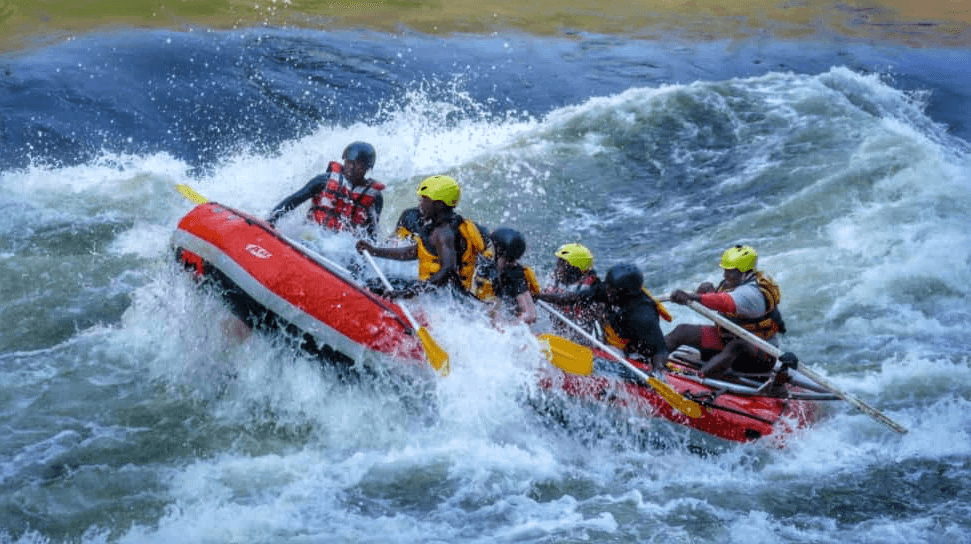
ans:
(683, 335)
(722, 361)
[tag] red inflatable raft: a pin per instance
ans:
(271, 283)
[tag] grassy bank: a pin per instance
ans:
(30, 23)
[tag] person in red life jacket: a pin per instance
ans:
(747, 297)
(342, 197)
(507, 282)
(446, 246)
(574, 272)
(633, 318)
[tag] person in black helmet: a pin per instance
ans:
(409, 224)
(510, 283)
(343, 197)
(632, 321)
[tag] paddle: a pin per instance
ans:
(568, 356)
(437, 357)
(191, 194)
(739, 331)
(685, 406)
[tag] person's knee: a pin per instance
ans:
(675, 336)
(681, 335)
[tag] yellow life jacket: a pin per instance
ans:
(531, 280)
(429, 263)
(404, 233)
(483, 289)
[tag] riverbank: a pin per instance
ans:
(26, 24)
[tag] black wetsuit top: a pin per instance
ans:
(511, 283)
(635, 320)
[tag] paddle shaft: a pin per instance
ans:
(774, 351)
(387, 285)
(437, 357)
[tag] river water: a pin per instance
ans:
(839, 151)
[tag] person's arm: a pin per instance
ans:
(516, 285)
(527, 310)
(560, 299)
(312, 187)
(374, 216)
(404, 253)
(720, 302)
(587, 295)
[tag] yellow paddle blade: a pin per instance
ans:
(687, 407)
(437, 357)
(568, 356)
(191, 194)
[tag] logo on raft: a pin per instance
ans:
(258, 252)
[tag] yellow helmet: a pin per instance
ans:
(443, 188)
(576, 255)
(741, 258)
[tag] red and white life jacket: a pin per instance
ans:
(341, 205)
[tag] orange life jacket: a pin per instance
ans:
(585, 312)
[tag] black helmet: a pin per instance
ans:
(625, 278)
(360, 151)
(508, 243)
(410, 220)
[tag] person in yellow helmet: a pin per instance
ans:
(631, 321)
(446, 245)
(747, 297)
(574, 272)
